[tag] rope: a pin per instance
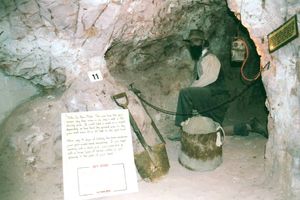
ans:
(244, 62)
(138, 94)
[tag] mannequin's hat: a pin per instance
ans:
(196, 35)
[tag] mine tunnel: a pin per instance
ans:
(96, 99)
(160, 68)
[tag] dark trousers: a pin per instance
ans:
(201, 99)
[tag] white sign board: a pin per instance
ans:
(97, 154)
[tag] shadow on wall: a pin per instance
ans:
(14, 91)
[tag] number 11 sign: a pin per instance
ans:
(95, 76)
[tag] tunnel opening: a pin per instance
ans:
(160, 67)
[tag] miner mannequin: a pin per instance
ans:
(207, 91)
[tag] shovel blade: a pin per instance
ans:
(149, 169)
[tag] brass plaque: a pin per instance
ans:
(283, 34)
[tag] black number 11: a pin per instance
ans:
(95, 76)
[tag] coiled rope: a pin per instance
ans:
(244, 63)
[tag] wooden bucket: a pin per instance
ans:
(201, 152)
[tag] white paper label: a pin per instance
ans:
(97, 154)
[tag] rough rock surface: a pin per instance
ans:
(54, 44)
(14, 91)
(282, 85)
(159, 67)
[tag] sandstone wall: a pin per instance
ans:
(14, 91)
(53, 44)
(282, 85)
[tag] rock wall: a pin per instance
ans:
(282, 85)
(53, 44)
(160, 65)
(14, 91)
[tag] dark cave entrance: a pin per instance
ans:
(160, 67)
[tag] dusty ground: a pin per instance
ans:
(240, 176)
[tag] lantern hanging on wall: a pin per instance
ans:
(238, 50)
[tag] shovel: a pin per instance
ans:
(159, 163)
(138, 94)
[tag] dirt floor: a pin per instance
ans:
(240, 176)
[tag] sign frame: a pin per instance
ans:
(274, 36)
